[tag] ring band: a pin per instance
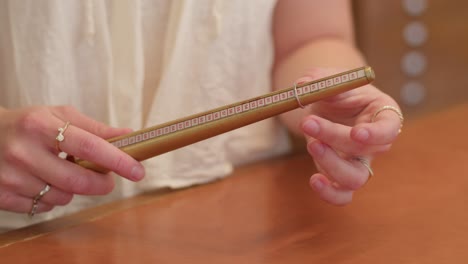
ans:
(366, 164)
(33, 210)
(61, 137)
(36, 199)
(297, 96)
(393, 109)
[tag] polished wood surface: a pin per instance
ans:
(412, 211)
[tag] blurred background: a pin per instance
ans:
(418, 49)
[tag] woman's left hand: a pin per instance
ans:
(343, 135)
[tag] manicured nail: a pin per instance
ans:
(138, 172)
(362, 134)
(317, 149)
(311, 127)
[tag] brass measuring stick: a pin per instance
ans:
(159, 139)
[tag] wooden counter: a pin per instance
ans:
(414, 210)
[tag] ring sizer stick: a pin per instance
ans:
(159, 139)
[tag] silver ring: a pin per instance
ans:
(366, 164)
(297, 96)
(33, 210)
(36, 199)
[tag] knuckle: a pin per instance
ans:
(119, 164)
(13, 154)
(32, 122)
(66, 110)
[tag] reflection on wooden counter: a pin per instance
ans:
(412, 211)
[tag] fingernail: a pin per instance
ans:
(311, 127)
(362, 134)
(317, 149)
(318, 184)
(137, 173)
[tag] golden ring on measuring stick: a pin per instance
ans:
(61, 137)
(393, 109)
(297, 96)
(156, 140)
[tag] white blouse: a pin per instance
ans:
(140, 63)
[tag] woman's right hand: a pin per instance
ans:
(29, 157)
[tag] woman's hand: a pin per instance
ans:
(342, 137)
(29, 157)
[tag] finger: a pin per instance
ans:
(383, 130)
(54, 196)
(87, 146)
(67, 176)
(338, 136)
(19, 204)
(82, 121)
(348, 174)
(93, 148)
(26, 185)
(330, 192)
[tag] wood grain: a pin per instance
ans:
(412, 211)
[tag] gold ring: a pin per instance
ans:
(61, 137)
(366, 164)
(36, 199)
(393, 109)
(297, 96)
